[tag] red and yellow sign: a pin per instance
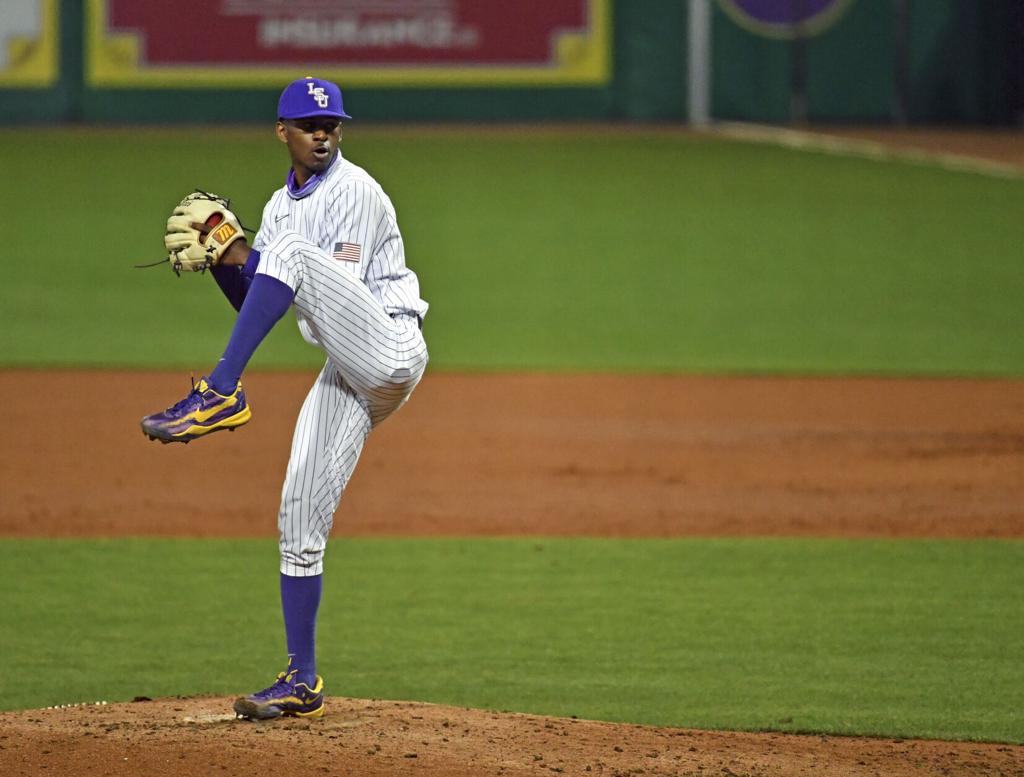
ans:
(419, 43)
(29, 31)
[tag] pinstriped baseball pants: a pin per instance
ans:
(373, 364)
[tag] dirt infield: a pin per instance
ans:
(511, 455)
(600, 456)
(539, 455)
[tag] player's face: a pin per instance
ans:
(312, 143)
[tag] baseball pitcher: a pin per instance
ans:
(328, 246)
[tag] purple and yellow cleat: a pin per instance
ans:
(286, 697)
(203, 411)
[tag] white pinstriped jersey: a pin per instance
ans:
(339, 249)
(348, 208)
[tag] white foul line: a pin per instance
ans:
(866, 149)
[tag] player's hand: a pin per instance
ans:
(200, 231)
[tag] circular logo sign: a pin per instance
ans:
(785, 18)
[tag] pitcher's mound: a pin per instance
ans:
(200, 736)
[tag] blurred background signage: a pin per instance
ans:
(358, 42)
(28, 43)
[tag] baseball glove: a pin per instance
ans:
(199, 231)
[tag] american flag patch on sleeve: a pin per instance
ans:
(347, 252)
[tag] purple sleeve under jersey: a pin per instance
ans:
(235, 281)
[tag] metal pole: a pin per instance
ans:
(699, 62)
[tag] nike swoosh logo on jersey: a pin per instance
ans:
(280, 217)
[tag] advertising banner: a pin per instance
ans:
(379, 43)
(28, 44)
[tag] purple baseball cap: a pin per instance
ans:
(311, 97)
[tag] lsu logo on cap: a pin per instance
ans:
(318, 94)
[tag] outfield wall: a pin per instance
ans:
(851, 60)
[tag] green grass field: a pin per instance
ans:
(600, 251)
(633, 251)
(895, 638)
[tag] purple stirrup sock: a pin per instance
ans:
(300, 600)
(266, 301)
